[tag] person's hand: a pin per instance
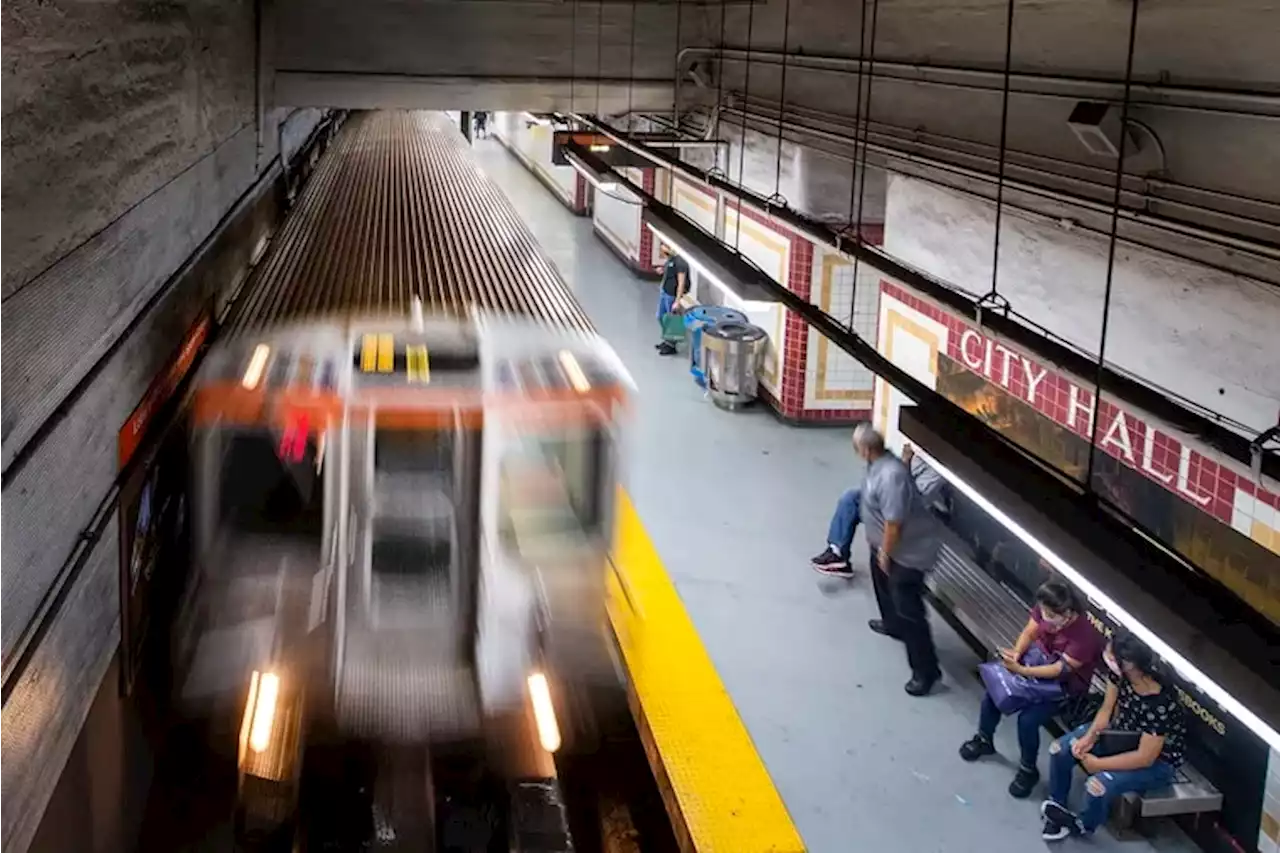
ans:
(907, 452)
(882, 561)
(1083, 745)
(1089, 762)
(1010, 661)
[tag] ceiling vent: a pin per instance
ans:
(1098, 127)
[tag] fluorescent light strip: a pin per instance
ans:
(603, 186)
(748, 304)
(1184, 667)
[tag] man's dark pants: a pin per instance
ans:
(900, 595)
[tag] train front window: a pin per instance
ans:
(551, 489)
(269, 487)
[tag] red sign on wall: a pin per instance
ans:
(161, 389)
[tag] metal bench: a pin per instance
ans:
(993, 617)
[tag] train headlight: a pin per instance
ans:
(543, 713)
(260, 711)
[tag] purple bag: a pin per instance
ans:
(1011, 693)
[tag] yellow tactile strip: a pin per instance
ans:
(719, 794)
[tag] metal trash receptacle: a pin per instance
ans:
(697, 319)
(731, 357)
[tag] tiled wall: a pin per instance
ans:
(1269, 834)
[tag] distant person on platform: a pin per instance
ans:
(904, 539)
(675, 284)
(482, 124)
(834, 559)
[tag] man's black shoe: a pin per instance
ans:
(920, 686)
(666, 348)
(877, 625)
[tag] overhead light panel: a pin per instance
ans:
(599, 173)
(732, 274)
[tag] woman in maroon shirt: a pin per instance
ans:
(1060, 628)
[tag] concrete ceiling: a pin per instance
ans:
(1204, 114)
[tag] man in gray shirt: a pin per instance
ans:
(834, 558)
(904, 539)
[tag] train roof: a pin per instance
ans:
(400, 209)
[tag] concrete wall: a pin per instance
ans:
(1205, 335)
(532, 144)
(131, 130)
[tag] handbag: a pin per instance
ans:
(1012, 692)
(1115, 742)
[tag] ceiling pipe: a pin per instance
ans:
(923, 175)
(1021, 82)
(1213, 433)
(898, 133)
(1262, 251)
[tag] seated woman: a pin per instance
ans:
(1056, 624)
(1134, 744)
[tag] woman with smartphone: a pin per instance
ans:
(1061, 632)
(1134, 743)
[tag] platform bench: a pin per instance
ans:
(992, 617)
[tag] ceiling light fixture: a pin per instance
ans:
(598, 173)
(743, 283)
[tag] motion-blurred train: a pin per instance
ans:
(402, 530)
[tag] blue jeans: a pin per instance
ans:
(665, 303)
(845, 521)
(1102, 788)
(1030, 720)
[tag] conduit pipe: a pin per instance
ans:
(1119, 385)
(898, 133)
(1076, 87)
(1220, 239)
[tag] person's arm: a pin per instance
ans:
(682, 279)
(1101, 720)
(1147, 753)
(893, 505)
(1025, 639)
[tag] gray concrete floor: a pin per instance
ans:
(736, 504)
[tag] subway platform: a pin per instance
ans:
(735, 504)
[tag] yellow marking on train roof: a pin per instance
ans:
(386, 353)
(368, 353)
(718, 794)
(417, 363)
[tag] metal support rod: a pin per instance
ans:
(1207, 428)
(1229, 241)
(1096, 417)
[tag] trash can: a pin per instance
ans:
(731, 356)
(697, 319)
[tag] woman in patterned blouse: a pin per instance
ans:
(1134, 743)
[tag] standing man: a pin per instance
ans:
(904, 541)
(834, 559)
(675, 283)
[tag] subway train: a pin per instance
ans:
(402, 492)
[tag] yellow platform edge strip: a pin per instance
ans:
(706, 762)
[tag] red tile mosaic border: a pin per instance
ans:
(1136, 441)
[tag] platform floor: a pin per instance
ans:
(735, 505)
